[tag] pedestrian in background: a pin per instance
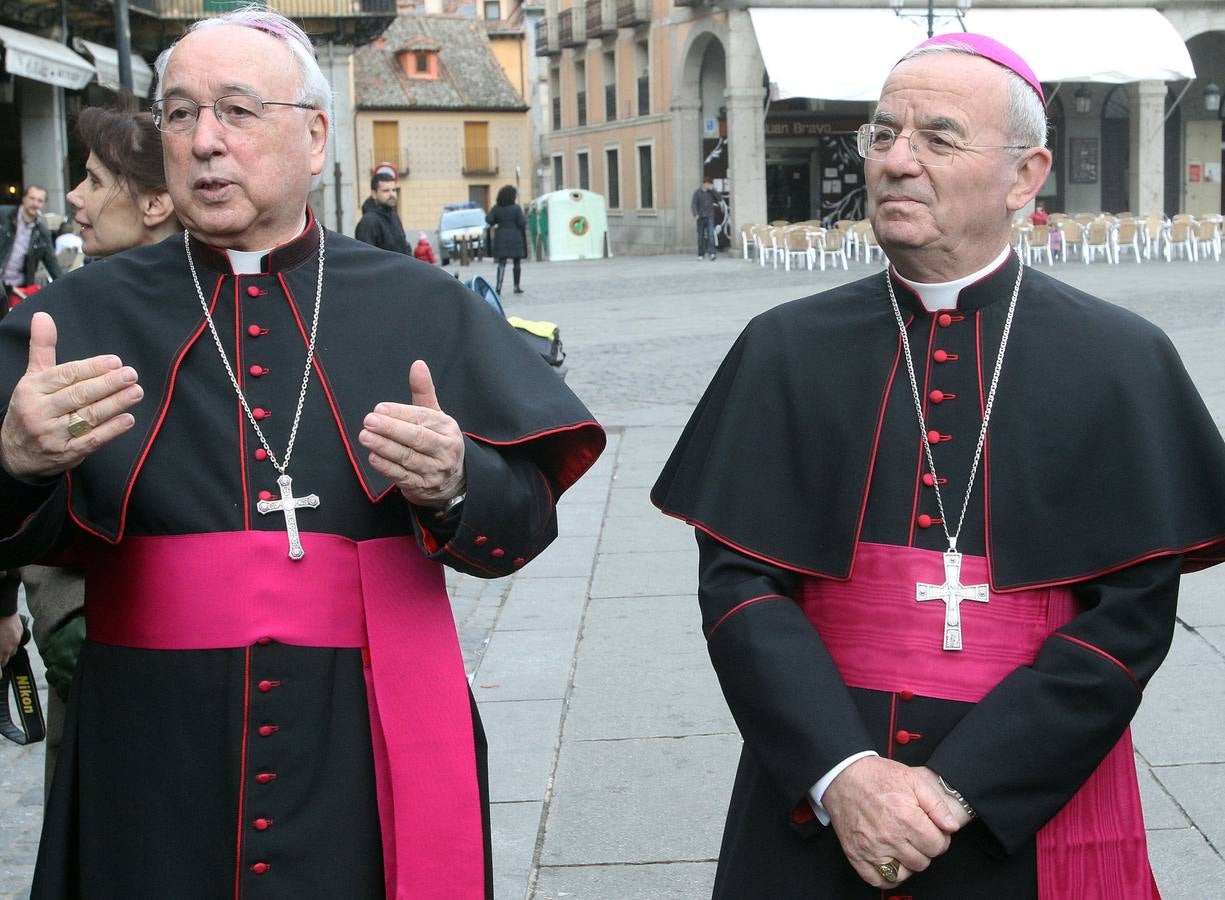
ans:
(509, 226)
(424, 251)
(380, 224)
(122, 202)
(703, 208)
(25, 241)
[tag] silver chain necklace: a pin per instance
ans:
(288, 504)
(952, 592)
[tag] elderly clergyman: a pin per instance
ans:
(263, 440)
(937, 577)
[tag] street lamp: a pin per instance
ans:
(1084, 100)
(962, 7)
(1212, 97)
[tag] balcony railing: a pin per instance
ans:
(644, 95)
(546, 39)
(398, 158)
(601, 17)
(581, 98)
(480, 160)
(565, 28)
(610, 102)
(633, 12)
(295, 9)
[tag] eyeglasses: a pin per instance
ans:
(931, 149)
(177, 115)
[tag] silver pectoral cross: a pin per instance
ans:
(952, 592)
(289, 504)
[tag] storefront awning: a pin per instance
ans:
(846, 54)
(31, 56)
(106, 61)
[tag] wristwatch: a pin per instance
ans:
(956, 795)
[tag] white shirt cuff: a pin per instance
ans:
(818, 790)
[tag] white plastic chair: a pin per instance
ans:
(1127, 237)
(1208, 240)
(1097, 242)
(1040, 241)
(832, 243)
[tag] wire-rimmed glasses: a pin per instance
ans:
(929, 147)
(177, 115)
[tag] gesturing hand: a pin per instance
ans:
(34, 439)
(883, 810)
(417, 446)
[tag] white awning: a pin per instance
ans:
(106, 61)
(846, 54)
(31, 56)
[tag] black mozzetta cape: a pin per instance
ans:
(1100, 451)
(378, 316)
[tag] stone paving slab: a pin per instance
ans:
(639, 801)
(1200, 790)
(1185, 865)
(1180, 719)
(514, 826)
(522, 736)
(651, 574)
(660, 881)
(535, 604)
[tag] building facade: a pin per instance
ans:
(441, 98)
(647, 97)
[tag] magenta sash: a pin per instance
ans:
(180, 592)
(882, 638)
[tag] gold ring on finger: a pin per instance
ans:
(77, 426)
(888, 870)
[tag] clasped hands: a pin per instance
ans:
(883, 810)
(417, 445)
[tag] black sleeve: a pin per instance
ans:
(791, 705)
(1021, 753)
(507, 518)
(9, 582)
(32, 519)
(367, 231)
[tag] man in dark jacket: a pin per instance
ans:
(380, 224)
(25, 241)
(703, 208)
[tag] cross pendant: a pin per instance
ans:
(952, 592)
(289, 504)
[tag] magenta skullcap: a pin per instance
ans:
(988, 48)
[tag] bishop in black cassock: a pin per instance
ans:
(1102, 478)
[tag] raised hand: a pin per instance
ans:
(417, 445)
(35, 441)
(883, 810)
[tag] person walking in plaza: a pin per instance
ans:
(268, 668)
(380, 223)
(934, 587)
(508, 225)
(424, 250)
(703, 208)
(122, 202)
(25, 241)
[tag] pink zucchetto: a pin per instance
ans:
(988, 48)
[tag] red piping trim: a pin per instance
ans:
(738, 607)
(157, 426)
(922, 456)
(1100, 652)
(242, 421)
(892, 722)
(242, 775)
(535, 435)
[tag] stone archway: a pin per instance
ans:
(703, 68)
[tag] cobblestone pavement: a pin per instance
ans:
(604, 719)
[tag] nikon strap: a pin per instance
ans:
(18, 678)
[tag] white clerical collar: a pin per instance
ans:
(251, 262)
(944, 294)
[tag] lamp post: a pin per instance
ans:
(962, 7)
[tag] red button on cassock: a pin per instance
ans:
(905, 737)
(261, 454)
(936, 396)
(254, 330)
(906, 695)
(480, 539)
(519, 560)
(265, 495)
(262, 824)
(257, 371)
(929, 479)
(265, 777)
(260, 868)
(259, 413)
(497, 551)
(265, 686)
(253, 291)
(933, 437)
(926, 521)
(267, 730)
(940, 356)
(264, 641)
(944, 320)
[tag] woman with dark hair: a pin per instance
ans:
(122, 201)
(509, 227)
